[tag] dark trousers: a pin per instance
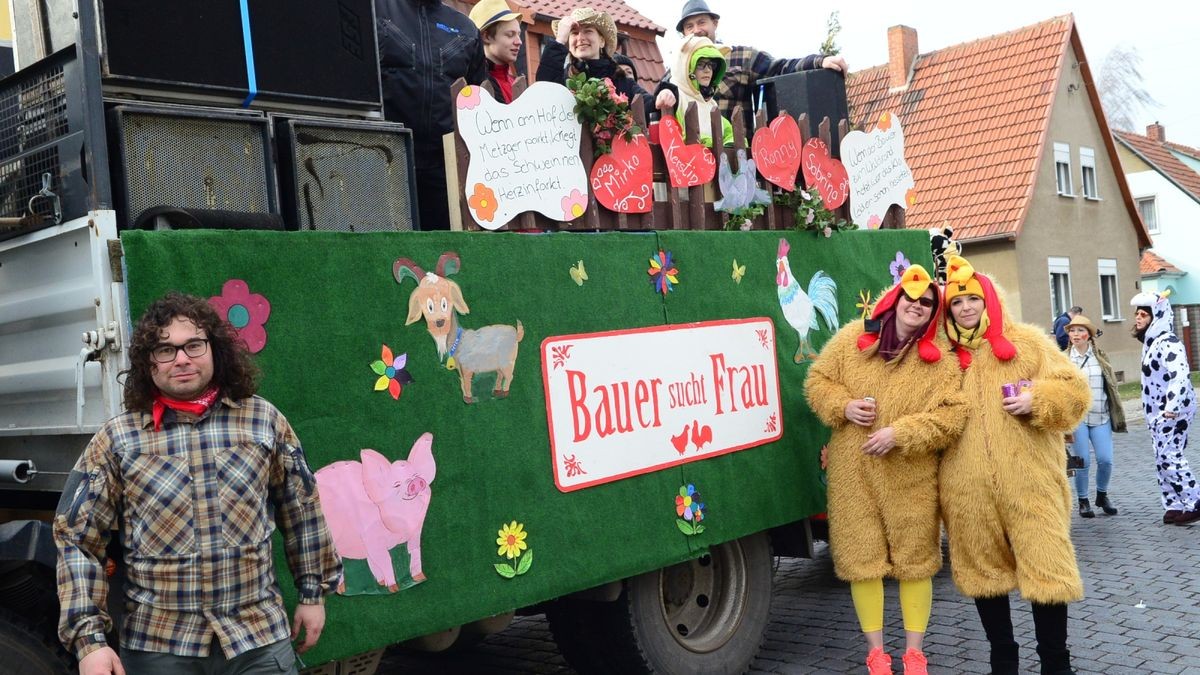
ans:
(1049, 625)
(276, 659)
(433, 209)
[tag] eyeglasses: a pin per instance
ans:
(706, 63)
(923, 301)
(166, 353)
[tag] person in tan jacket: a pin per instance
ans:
(893, 402)
(1004, 493)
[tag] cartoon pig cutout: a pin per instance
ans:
(374, 506)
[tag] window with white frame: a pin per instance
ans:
(1062, 169)
(1087, 162)
(1148, 208)
(1060, 285)
(1110, 304)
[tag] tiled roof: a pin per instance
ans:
(648, 60)
(1184, 149)
(622, 13)
(1152, 263)
(1156, 154)
(975, 116)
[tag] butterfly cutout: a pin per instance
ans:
(578, 273)
(739, 271)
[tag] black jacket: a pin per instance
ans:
(424, 46)
(551, 69)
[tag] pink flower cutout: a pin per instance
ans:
(245, 311)
(874, 222)
(468, 98)
(573, 205)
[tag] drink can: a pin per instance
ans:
(1008, 390)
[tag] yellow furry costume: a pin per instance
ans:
(1004, 492)
(883, 511)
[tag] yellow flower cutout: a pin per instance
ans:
(864, 302)
(512, 540)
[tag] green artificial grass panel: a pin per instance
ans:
(742, 490)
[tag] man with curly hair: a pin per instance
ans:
(197, 473)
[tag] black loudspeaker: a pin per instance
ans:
(346, 176)
(309, 52)
(190, 158)
(820, 93)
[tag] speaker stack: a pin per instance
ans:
(820, 93)
(265, 108)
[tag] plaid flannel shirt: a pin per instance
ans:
(197, 500)
(747, 64)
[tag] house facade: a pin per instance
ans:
(1008, 145)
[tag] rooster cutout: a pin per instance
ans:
(739, 190)
(801, 309)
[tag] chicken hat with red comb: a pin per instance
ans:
(913, 283)
(961, 279)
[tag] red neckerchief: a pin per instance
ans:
(503, 76)
(196, 406)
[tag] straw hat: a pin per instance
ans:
(1081, 320)
(601, 21)
(488, 12)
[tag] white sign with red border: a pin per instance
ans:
(628, 402)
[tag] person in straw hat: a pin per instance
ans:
(500, 29)
(1103, 418)
(585, 40)
(893, 401)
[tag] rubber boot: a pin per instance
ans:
(1085, 509)
(1103, 503)
(997, 624)
(1050, 626)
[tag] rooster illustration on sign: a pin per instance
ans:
(801, 308)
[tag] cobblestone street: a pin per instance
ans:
(1141, 613)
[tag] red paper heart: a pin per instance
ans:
(687, 165)
(776, 151)
(825, 173)
(621, 179)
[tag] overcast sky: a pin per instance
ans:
(1166, 35)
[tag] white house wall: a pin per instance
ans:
(1178, 238)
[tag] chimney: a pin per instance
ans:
(902, 51)
(1156, 132)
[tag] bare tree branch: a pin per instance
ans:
(1122, 89)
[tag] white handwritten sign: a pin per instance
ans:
(879, 176)
(524, 156)
(629, 402)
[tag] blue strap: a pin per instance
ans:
(251, 78)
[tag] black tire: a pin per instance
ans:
(29, 653)
(707, 616)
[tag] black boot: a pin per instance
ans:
(1103, 503)
(997, 624)
(1050, 626)
(1085, 509)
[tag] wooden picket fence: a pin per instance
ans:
(695, 212)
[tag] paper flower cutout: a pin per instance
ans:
(511, 542)
(663, 273)
(690, 510)
(864, 303)
(573, 205)
(874, 222)
(391, 372)
(898, 266)
(483, 202)
(468, 98)
(885, 121)
(247, 312)
(739, 271)
(578, 273)
(910, 197)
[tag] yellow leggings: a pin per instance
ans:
(916, 601)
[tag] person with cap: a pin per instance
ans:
(1169, 401)
(585, 41)
(698, 70)
(1105, 415)
(745, 64)
(424, 47)
(893, 402)
(500, 29)
(1004, 494)
(626, 65)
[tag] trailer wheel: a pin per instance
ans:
(707, 615)
(26, 652)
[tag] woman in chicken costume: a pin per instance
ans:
(893, 401)
(1004, 492)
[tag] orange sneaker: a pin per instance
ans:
(915, 663)
(878, 662)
